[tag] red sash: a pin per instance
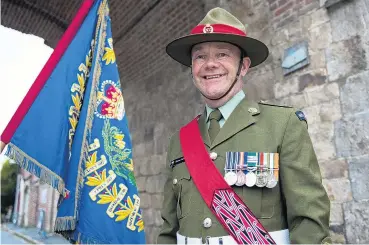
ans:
(227, 206)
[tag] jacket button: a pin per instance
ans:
(213, 155)
(207, 223)
(175, 181)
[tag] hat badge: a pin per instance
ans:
(208, 29)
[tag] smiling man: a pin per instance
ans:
(242, 172)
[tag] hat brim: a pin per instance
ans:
(180, 49)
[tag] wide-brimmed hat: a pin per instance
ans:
(218, 26)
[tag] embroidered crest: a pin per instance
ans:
(208, 29)
(110, 101)
(117, 151)
(77, 92)
(104, 190)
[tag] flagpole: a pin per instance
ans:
(45, 73)
(2, 146)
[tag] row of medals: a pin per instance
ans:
(260, 179)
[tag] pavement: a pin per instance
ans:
(31, 235)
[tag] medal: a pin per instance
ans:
(272, 182)
(230, 178)
(240, 175)
(240, 178)
(261, 180)
(250, 179)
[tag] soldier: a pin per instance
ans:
(242, 172)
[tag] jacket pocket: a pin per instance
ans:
(260, 200)
(183, 187)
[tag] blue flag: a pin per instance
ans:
(76, 138)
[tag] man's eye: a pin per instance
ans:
(222, 55)
(200, 57)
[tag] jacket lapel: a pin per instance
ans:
(241, 118)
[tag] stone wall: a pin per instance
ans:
(170, 100)
(333, 92)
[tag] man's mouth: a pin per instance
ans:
(213, 76)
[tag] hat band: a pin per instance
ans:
(217, 28)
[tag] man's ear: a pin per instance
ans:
(246, 62)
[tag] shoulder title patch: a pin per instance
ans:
(176, 161)
(301, 115)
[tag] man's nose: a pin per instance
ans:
(211, 62)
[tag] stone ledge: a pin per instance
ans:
(356, 216)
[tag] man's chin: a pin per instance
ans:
(213, 96)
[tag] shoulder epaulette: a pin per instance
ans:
(264, 103)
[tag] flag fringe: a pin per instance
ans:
(88, 239)
(65, 223)
(34, 167)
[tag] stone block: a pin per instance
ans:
(324, 149)
(155, 184)
(152, 165)
(318, 63)
(148, 216)
(337, 168)
(320, 94)
(279, 37)
(359, 172)
(321, 131)
(336, 215)
(288, 87)
(295, 33)
(352, 135)
(297, 101)
(153, 235)
(347, 19)
(337, 234)
(355, 94)
(145, 200)
(339, 190)
(158, 221)
(161, 139)
(331, 111)
(139, 150)
(157, 201)
(321, 134)
(141, 184)
(311, 79)
(320, 36)
(345, 58)
(140, 164)
(318, 17)
(260, 86)
(356, 219)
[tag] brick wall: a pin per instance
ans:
(33, 203)
(141, 50)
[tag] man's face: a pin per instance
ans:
(214, 67)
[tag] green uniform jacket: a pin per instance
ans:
(298, 203)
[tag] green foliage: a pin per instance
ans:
(8, 178)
